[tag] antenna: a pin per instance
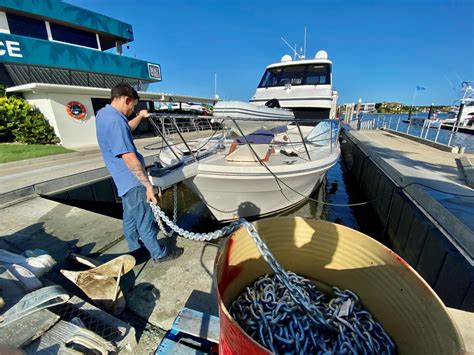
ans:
(295, 53)
(457, 74)
(450, 83)
(215, 86)
(304, 52)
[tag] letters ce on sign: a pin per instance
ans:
(154, 71)
(11, 49)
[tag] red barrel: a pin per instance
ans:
(333, 255)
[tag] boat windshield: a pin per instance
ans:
(310, 74)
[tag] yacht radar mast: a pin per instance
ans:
(302, 54)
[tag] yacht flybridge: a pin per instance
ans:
(303, 86)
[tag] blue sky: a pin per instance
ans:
(380, 49)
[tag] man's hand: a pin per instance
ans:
(143, 114)
(133, 123)
(150, 195)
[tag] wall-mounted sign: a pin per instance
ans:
(76, 110)
(154, 71)
(10, 48)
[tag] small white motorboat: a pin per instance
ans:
(251, 175)
(251, 117)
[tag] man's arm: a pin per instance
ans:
(136, 167)
(133, 123)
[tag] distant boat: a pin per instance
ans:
(466, 97)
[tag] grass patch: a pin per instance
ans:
(14, 151)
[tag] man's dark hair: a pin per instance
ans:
(120, 90)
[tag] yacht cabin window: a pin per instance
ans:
(293, 75)
(310, 74)
(317, 74)
(270, 78)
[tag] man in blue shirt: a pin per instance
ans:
(127, 167)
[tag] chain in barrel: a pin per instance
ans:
(287, 313)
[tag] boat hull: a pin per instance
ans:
(235, 196)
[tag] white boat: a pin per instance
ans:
(466, 97)
(251, 117)
(271, 169)
(254, 175)
(303, 86)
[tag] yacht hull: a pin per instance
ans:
(233, 196)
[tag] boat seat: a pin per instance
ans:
(243, 153)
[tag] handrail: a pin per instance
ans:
(302, 139)
(175, 128)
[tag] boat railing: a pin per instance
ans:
(173, 123)
(169, 126)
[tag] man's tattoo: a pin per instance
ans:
(140, 174)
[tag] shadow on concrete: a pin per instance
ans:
(36, 237)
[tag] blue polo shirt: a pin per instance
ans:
(115, 138)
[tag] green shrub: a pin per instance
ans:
(23, 123)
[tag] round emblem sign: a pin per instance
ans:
(76, 110)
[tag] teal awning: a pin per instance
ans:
(37, 52)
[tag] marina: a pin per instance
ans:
(272, 220)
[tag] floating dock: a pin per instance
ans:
(420, 196)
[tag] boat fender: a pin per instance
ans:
(273, 103)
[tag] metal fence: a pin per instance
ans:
(396, 124)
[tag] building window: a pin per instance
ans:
(26, 26)
(73, 36)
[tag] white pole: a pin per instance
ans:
(437, 133)
(304, 52)
(427, 130)
(422, 128)
(398, 123)
(215, 85)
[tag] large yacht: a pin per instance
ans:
(303, 86)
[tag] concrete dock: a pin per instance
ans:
(421, 197)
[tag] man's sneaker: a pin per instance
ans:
(172, 254)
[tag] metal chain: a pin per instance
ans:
(267, 313)
(296, 293)
(175, 213)
(286, 312)
(161, 217)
